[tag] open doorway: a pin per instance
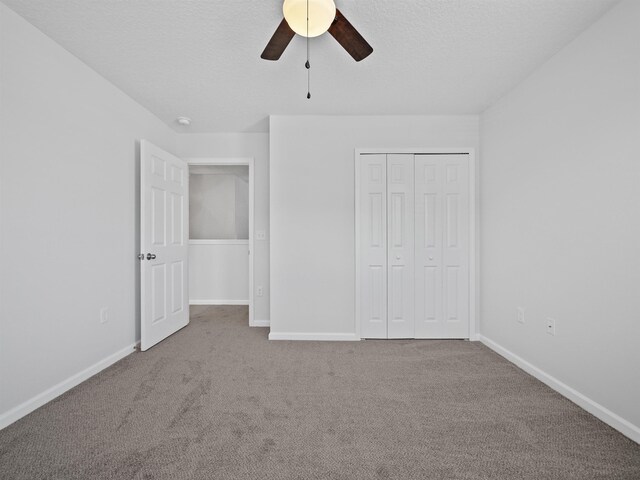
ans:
(221, 232)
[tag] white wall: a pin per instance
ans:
(68, 216)
(219, 272)
(212, 201)
(313, 210)
(218, 206)
(560, 183)
(256, 145)
(241, 207)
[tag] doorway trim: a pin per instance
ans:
(473, 233)
(249, 161)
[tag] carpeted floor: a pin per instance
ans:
(217, 400)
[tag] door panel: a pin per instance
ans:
(163, 233)
(456, 246)
(430, 207)
(158, 283)
(158, 216)
(400, 213)
(377, 215)
(452, 287)
(442, 246)
(397, 292)
(177, 221)
(397, 219)
(451, 220)
(431, 292)
(377, 284)
(428, 252)
(373, 246)
(177, 284)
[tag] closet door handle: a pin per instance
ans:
(151, 256)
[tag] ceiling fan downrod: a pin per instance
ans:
(307, 64)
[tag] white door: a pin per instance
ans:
(414, 244)
(164, 239)
(373, 246)
(400, 221)
(442, 246)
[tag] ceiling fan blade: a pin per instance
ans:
(349, 38)
(278, 42)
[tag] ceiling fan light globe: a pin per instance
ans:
(321, 15)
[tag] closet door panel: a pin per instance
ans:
(456, 246)
(442, 246)
(428, 249)
(373, 246)
(400, 238)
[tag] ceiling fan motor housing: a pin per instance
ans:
(321, 14)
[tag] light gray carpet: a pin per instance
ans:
(219, 401)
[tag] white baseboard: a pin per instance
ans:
(218, 302)
(260, 323)
(39, 400)
(607, 416)
(325, 337)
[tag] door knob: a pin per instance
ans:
(430, 258)
(397, 257)
(141, 256)
(151, 256)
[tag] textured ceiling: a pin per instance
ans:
(201, 58)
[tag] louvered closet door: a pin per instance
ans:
(442, 246)
(400, 255)
(373, 246)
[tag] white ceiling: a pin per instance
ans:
(201, 58)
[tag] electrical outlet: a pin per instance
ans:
(520, 312)
(551, 326)
(260, 291)
(104, 315)
(261, 235)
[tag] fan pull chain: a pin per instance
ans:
(307, 64)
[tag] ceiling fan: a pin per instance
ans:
(310, 18)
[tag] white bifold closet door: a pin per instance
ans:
(414, 246)
(400, 277)
(373, 246)
(442, 246)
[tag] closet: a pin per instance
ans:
(413, 245)
(219, 234)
